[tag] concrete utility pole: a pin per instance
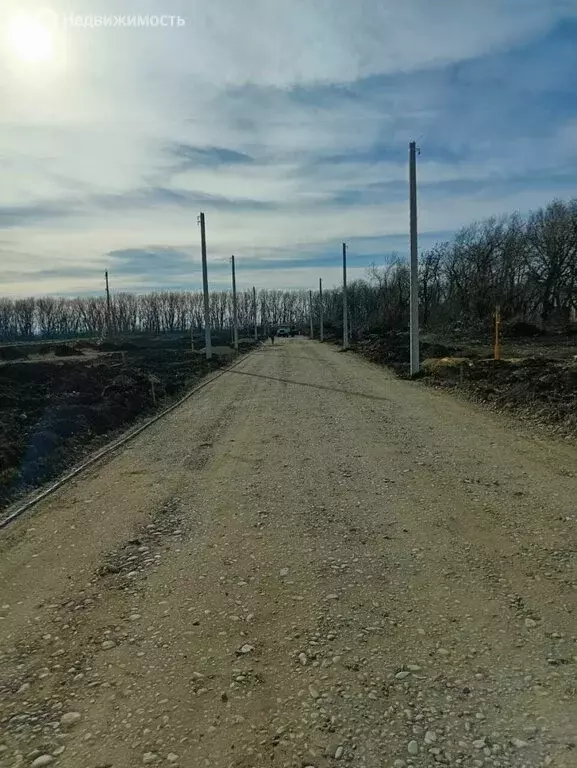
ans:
(311, 313)
(345, 304)
(234, 306)
(321, 310)
(414, 326)
(207, 340)
(255, 314)
(108, 312)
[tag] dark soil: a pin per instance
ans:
(539, 388)
(536, 388)
(392, 350)
(54, 412)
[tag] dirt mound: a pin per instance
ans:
(393, 350)
(113, 346)
(85, 344)
(13, 353)
(521, 329)
(27, 350)
(436, 365)
(537, 388)
(60, 350)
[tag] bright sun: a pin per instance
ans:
(30, 40)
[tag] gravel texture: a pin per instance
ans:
(311, 563)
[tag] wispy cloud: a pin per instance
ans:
(288, 123)
(187, 156)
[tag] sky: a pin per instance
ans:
(286, 121)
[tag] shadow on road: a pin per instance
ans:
(313, 386)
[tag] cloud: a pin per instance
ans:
(310, 41)
(159, 262)
(19, 215)
(188, 156)
(288, 124)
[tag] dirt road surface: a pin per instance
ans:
(310, 563)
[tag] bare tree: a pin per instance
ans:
(551, 257)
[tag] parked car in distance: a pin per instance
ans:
(284, 332)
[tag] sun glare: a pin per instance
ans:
(30, 40)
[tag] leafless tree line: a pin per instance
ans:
(158, 312)
(527, 265)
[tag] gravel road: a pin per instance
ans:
(310, 563)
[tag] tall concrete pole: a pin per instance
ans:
(207, 339)
(108, 311)
(321, 310)
(414, 324)
(255, 314)
(311, 313)
(234, 306)
(345, 303)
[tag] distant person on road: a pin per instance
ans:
(271, 334)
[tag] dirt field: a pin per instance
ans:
(536, 378)
(310, 563)
(60, 401)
